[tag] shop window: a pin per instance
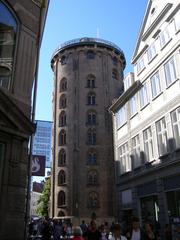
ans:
(8, 34)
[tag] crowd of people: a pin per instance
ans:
(47, 229)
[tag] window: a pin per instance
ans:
(91, 81)
(91, 137)
(136, 152)
(91, 118)
(90, 54)
(175, 116)
(2, 155)
(121, 116)
(148, 145)
(62, 119)
(8, 32)
(140, 65)
(62, 101)
(155, 85)
(92, 157)
(61, 198)
(61, 177)
(92, 177)
(133, 105)
(162, 137)
(144, 100)
(128, 80)
(63, 85)
(63, 60)
(177, 21)
(62, 137)
(170, 71)
(164, 37)
(124, 158)
(91, 99)
(93, 200)
(114, 75)
(115, 61)
(151, 52)
(61, 158)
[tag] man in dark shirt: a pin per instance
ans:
(93, 233)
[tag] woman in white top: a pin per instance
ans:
(117, 233)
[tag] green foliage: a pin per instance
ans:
(43, 202)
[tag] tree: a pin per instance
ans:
(43, 202)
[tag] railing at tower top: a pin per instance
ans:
(88, 41)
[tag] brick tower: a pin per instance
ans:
(88, 75)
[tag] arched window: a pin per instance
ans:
(61, 198)
(62, 119)
(91, 99)
(61, 177)
(63, 85)
(115, 61)
(63, 60)
(62, 158)
(90, 54)
(91, 81)
(8, 32)
(91, 137)
(62, 101)
(93, 200)
(91, 118)
(61, 214)
(115, 74)
(92, 157)
(92, 177)
(62, 137)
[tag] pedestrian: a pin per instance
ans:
(117, 230)
(149, 233)
(136, 232)
(77, 233)
(93, 233)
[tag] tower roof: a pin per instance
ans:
(86, 41)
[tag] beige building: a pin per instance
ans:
(147, 121)
(21, 22)
(88, 75)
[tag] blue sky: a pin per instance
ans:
(117, 21)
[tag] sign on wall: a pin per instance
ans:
(38, 165)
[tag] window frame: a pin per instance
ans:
(162, 136)
(148, 144)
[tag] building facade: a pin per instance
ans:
(42, 140)
(147, 121)
(21, 27)
(88, 75)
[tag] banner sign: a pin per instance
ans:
(38, 165)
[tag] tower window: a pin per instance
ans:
(62, 158)
(91, 99)
(90, 54)
(91, 118)
(93, 200)
(91, 81)
(62, 119)
(62, 137)
(62, 101)
(92, 157)
(91, 137)
(63, 85)
(61, 198)
(61, 177)
(92, 177)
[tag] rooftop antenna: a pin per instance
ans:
(97, 32)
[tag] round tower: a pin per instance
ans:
(88, 75)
